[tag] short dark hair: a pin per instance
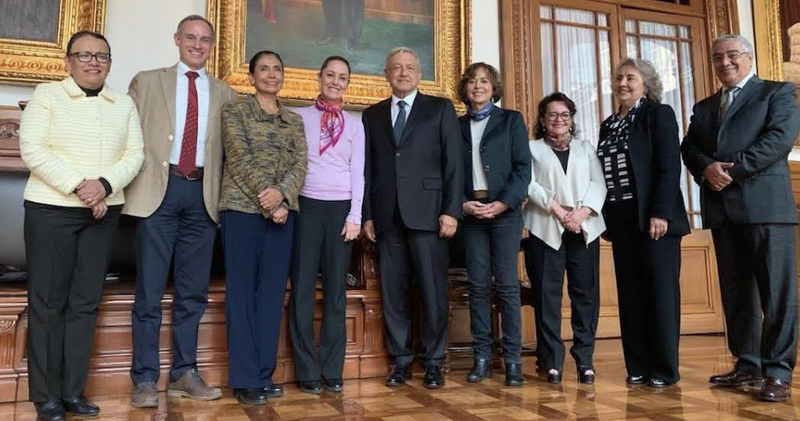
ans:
(196, 17)
(334, 58)
(492, 74)
(542, 110)
(252, 67)
(81, 34)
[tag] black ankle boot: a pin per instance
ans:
(481, 370)
(513, 374)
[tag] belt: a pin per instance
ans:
(480, 194)
(196, 174)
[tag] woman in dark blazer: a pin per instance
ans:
(497, 172)
(645, 218)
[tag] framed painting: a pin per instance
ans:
(777, 32)
(34, 36)
(305, 32)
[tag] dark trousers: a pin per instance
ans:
(492, 247)
(353, 20)
(257, 256)
(318, 246)
(582, 264)
(530, 269)
(757, 266)
(179, 233)
(399, 250)
(67, 253)
(648, 288)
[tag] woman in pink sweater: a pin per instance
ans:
(328, 222)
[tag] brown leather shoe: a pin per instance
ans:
(775, 390)
(737, 378)
(192, 386)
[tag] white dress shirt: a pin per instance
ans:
(478, 175)
(409, 100)
(181, 104)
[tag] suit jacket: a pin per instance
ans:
(756, 135)
(424, 177)
(582, 185)
(153, 91)
(655, 158)
(505, 157)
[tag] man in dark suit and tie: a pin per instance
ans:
(736, 149)
(414, 179)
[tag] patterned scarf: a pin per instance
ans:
(480, 115)
(332, 123)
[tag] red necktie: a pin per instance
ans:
(189, 144)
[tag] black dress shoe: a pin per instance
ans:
(482, 369)
(254, 396)
(80, 406)
(586, 376)
(334, 385)
(659, 383)
(434, 379)
(311, 387)
(274, 391)
(553, 376)
(513, 374)
(399, 375)
(775, 390)
(737, 378)
(50, 411)
(636, 379)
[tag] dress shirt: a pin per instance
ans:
(66, 137)
(409, 100)
(181, 101)
(338, 173)
(478, 175)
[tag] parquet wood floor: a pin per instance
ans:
(369, 400)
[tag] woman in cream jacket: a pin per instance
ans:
(563, 214)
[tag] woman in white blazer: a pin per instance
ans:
(563, 214)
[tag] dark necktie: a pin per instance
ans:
(189, 143)
(400, 123)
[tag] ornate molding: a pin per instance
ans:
(769, 42)
(23, 61)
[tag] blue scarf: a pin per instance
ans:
(480, 115)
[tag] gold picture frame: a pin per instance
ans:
(451, 29)
(769, 46)
(24, 61)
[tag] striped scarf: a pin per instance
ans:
(332, 123)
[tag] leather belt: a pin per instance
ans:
(196, 174)
(480, 194)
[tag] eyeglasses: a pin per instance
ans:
(566, 116)
(732, 56)
(85, 57)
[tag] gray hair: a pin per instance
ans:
(748, 47)
(650, 78)
(191, 18)
(398, 50)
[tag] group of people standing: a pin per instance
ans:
(291, 190)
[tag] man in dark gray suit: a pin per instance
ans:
(736, 149)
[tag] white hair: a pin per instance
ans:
(398, 50)
(746, 45)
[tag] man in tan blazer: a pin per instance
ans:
(176, 195)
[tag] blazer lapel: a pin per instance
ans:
(417, 109)
(169, 79)
(744, 95)
(386, 120)
(494, 119)
(715, 103)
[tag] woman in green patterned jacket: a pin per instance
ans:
(265, 166)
